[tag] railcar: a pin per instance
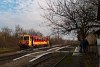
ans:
(26, 41)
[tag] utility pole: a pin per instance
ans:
(98, 15)
(58, 34)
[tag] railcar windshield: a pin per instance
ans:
(24, 38)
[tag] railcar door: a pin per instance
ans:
(32, 41)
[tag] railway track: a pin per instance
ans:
(49, 60)
(44, 59)
(61, 60)
(24, 53)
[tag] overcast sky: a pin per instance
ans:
(26, 13)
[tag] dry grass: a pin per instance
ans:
(6, 50)
(8, 44)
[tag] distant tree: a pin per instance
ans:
(34, 32)
(31, 32)
(6, 31)
(39, 33)
(18, 30)
(79, 16)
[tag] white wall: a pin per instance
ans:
(98, 41)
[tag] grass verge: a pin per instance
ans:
(67, 60)
(7, 50)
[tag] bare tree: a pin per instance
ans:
(18, 30)
(79, 16)
(33, 32)
(6, 31)
(39, 33)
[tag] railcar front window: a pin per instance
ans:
(26, 38)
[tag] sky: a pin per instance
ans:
(26, 13)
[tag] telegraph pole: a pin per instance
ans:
(58, 34)
(98, 15)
